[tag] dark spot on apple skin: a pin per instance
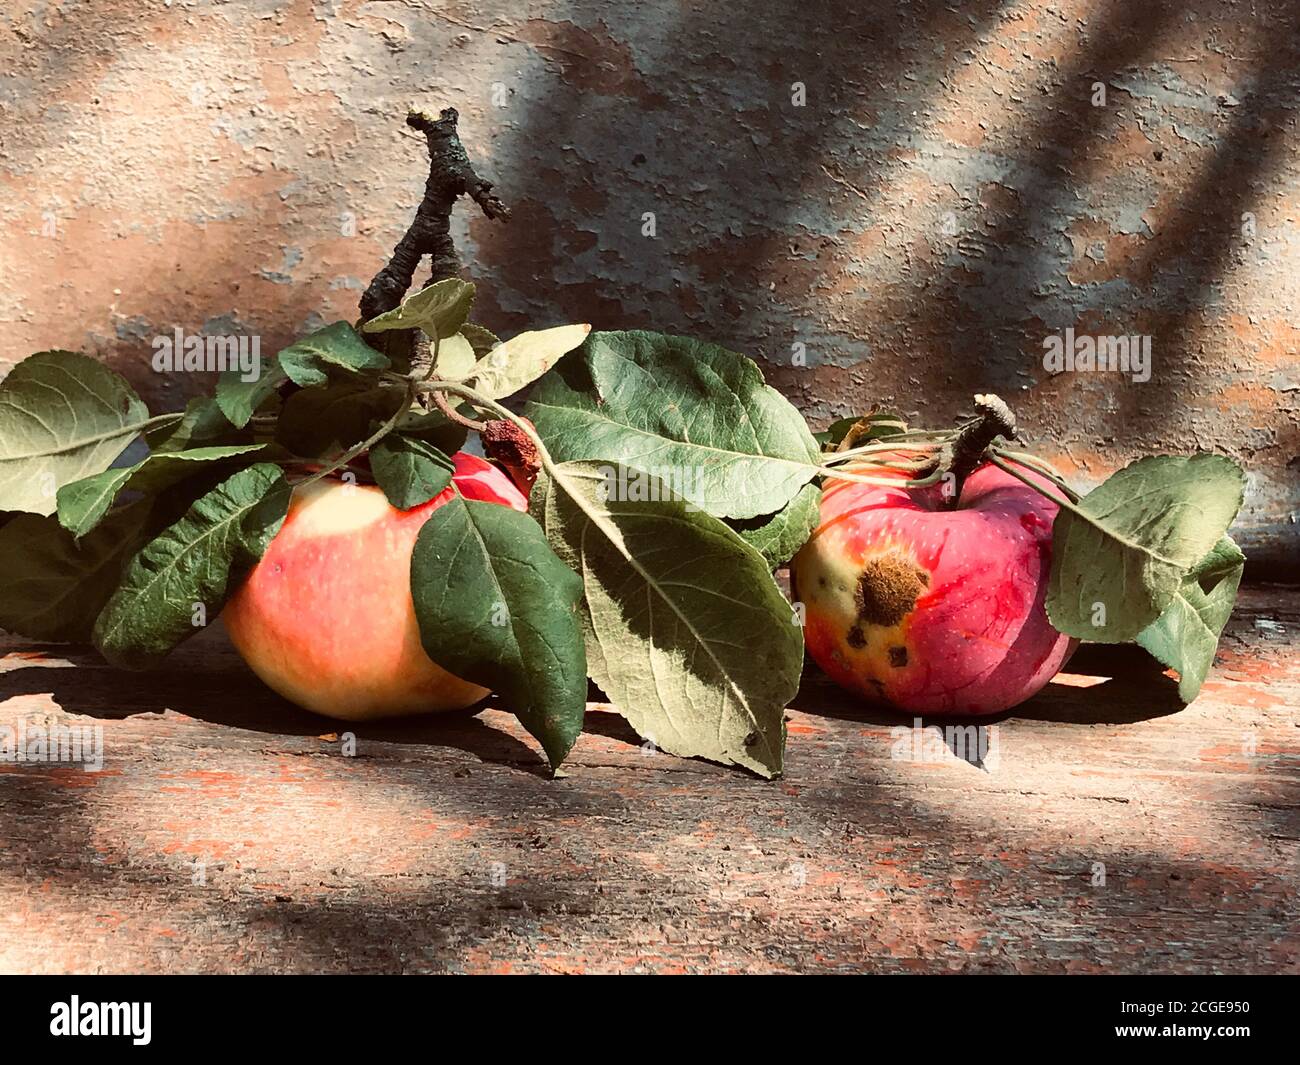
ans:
(856, 639)
(898, 657)
(888, 589)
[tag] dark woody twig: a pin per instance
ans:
(450, 176)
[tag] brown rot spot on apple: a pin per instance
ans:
(898, 657)
(888, 588)
(855, 638)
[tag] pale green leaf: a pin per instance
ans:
(439, 309)
(1186, 636)
(455, 357)
(687, 633)
(522, 359)
(689, 413)
(1117, 566)
(63, 416)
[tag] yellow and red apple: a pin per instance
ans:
(929, 607)
(326, 617)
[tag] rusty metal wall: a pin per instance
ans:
(888, 203)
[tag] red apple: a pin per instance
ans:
(326, 617)
(930, 608)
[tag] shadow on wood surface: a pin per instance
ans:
(232, 696)
(1100, 685)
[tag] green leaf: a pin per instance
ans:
(324, 354)
(455, 357)
(320, 421)
(778, 537)
(522, 359)
(496, 607)
(1116, 568)
(439, 309)
(202, 424)
(690, 413)
(687, 632)
(480, 339)
(190, 565)
(410, 471)
(63, 416)
(1186, 636)
(238, 399)
(52, 587)
(83, 503)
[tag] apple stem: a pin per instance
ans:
(969, 448)
(449, 412)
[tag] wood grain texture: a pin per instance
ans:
(227, 832)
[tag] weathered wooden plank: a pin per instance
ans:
(228, 831)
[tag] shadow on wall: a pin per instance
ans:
(201, 266)
(770, 218)
(1170, 277)
(697, 125)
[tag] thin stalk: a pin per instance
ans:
(871, 449)
(887, 482)
(433, 358)
(159, 419)
(366, 444)
(1039, 467)
(452, 414)
(455, 388)
(1064, 504)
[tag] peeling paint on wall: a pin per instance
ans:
(947, 193)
